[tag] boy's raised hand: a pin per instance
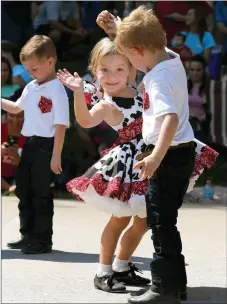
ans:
(108, 22)
(147, 166)
(75, 83)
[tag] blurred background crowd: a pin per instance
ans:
(196, 30)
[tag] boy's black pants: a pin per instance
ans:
(165, 196)
(33, 180)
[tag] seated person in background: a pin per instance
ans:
(197, 38)
(181, 49)
(198, 112)
(20, 75)
(60, 20)
(7, 87)
(11, 147)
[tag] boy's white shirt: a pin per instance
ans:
(36, 122)
(166, 85)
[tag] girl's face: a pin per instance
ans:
(190, 17)
(4, 73)
(112, 73)
(15, 119)
(196, 71)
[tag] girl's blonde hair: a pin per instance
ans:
(104, 47)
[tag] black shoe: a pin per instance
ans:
(130, 278)
(37, 248)
(151, 297)
(108, 283)
(21, 243)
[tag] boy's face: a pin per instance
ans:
(136, 57)
(40, 68)
(179, 41)
(15, 119)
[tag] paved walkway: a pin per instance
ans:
(66, 275)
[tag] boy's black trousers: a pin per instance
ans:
(164, 197)
(33, 180)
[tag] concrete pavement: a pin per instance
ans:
(66, 275)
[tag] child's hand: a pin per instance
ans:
(74, 83)
(148, 166)
(13, 151)
(108, 22)
(4, 148)
(55, 164)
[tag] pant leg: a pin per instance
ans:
(42, 201)
(24, 190)
(165, 196)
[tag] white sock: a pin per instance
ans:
(104, 270)
(120, 265)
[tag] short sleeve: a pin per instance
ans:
(53, 10)
(208, 41)
(21, 102)
(60, 106)
(160, 94)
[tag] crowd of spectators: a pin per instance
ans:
(197, 30)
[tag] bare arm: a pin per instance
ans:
(207, 53)
(86, 118)
(151, 163)
(59, 139)
(167, 132)
(9, 106)
(176, 17)
(222, 28)
(61, 27)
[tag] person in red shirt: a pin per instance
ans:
(11, 146)
(181, 49)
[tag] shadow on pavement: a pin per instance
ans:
(196, 295)
(69, 257)
(200, 295)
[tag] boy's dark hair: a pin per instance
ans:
(6, 61)
(13, 49)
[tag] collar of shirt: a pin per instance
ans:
(175, 61)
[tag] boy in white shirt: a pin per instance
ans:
(170, 147)
(46, 117)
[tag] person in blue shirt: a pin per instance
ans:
(198, 39)
(20, 75)
(220, 17)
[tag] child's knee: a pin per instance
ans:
(119, 223)
(140, 225)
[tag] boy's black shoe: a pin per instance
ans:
(151, 297)
(21, 243)
(37, 248)
(130, 278)
(108, 283)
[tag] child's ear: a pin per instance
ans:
(137, 51)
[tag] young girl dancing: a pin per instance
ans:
(112, 185)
